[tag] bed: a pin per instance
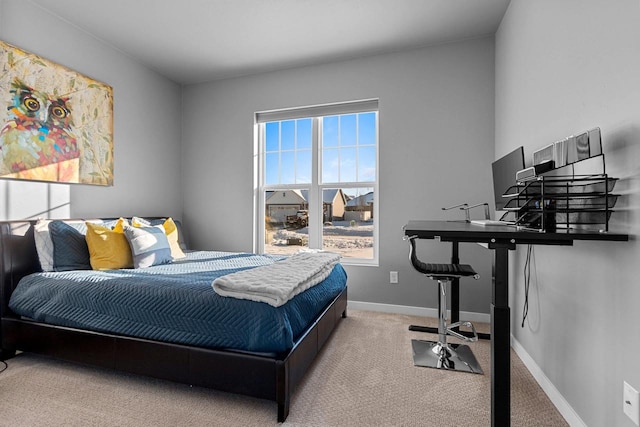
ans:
(269, 362)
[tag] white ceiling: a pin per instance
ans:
(192, 41)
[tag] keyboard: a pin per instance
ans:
(493, 222)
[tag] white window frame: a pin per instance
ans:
(316, 113)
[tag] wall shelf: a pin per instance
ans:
(555, 201)
(562, 199)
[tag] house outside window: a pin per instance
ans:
(316, 180)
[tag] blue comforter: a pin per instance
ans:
(174, 303)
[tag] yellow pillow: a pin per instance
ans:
(172, 235)
(170, 229)
(108, 249)
(119, 227)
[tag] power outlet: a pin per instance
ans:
(631, 402)
(393, 277)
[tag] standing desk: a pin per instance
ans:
(501, 239)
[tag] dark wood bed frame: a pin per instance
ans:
(273, 378)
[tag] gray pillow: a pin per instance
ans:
(70, 251)
(149, 245)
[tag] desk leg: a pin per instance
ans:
(455, 285)
(500, 342)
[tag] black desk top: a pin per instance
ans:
(462, 231)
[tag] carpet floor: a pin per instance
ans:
(363, 377)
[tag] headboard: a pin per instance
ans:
(18, 257)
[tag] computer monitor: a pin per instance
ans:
(504, 175)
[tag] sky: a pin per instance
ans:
(348, 150)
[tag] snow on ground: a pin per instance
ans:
(355, 241)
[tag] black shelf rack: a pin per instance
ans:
(547, 203)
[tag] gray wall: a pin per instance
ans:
(562, 67)
(436, 146)
(146, 126)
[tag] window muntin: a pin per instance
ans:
(287, 149)
(349, 148)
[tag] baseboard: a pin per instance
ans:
(570, 416)
(414, 311)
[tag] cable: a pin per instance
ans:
(527, 281)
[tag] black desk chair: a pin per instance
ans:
(440, 354)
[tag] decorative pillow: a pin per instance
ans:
(171, 230)
(70, 251)
(149, 245)
(136, 221)
(181, 240)
(119, 225)
(112, 223)
(44, 245)
(108, 249)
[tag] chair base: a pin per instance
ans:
(434, 330)
(455, 357)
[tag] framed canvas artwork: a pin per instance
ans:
(56, 125)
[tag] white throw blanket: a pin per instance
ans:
(277, 283)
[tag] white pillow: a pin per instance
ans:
(44, 245)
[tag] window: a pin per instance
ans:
(316, 180)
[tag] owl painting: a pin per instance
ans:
(37, 132)
(56, 124)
